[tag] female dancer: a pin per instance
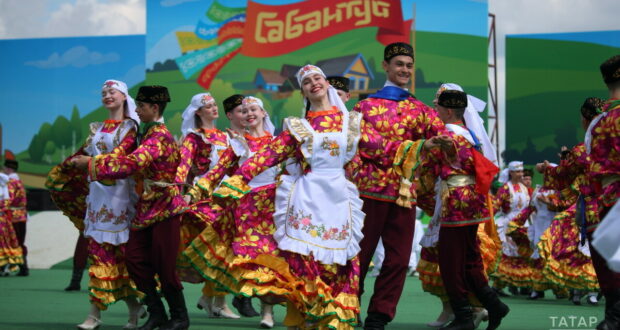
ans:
(513, 269)
(202, 146)
(318, 225)
(103, 210)
(230, 238)
(10, 251)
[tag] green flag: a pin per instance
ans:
(218, 13)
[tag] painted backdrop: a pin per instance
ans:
(51, 87)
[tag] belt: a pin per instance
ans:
(455, 181)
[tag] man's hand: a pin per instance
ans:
(80, 161)
(541, 167)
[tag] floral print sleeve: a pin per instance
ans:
(284, 146)
(17, 204)
(189, 153)
(120, 166)
(503, 199)
(561, 176)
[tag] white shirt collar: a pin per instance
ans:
(389, 83)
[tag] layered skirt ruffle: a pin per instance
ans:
(566, 266)
(239, 254)
(10, 251)
(68, 188)
(109, 280)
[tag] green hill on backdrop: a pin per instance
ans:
(546, 83)
(440, 57)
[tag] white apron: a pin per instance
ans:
(518, 201)
(320, 213)
(541, 221)
(110, 204)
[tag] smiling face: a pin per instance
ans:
(314, 87)
(112, 98)
(208, 112)
(399, 70)
(254, 116)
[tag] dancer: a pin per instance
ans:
(109, 206)
(10, 251)
(318, 225)
(514, 267)
(17, 206)
(155, 236)
(489, 243)
(229, 243)
(389, 198)
(202, 146)
(603, 145)
(463, 204)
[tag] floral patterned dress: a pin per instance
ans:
(319, 293)
(231, 232)
(514, 266)
(109, 208)
(10, 251)
(567, 256)
(200, 151)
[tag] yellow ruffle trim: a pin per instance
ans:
(233, 187)
(406, 160)
(515, 271)
(12, 256)
(109, 284)
(214, 260)
(561, 274)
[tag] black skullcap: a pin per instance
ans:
(153, 94)
(396, 49)
(610, 70)
(232, 102)
(591, 107)
(11, 163)
(341, 83)
(452, 99)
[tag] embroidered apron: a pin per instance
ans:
(110, 203)
(319, 213)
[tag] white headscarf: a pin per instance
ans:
(4, 186)
(332, 93)
(131, 104)
(474, 122)
(267, 124)
(198, 100)
(504, 175)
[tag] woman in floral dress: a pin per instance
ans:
(103, 210)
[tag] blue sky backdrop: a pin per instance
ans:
(44, 78)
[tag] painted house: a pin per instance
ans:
(353, 67)
(268, 80)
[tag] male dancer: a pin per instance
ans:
(389, 200)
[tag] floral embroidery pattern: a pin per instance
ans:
(301, 221)
(332, 146)
(102, 146)
(106, 215)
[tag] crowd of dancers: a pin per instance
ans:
(295, 218)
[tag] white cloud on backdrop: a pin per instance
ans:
(172, 3)
(78, 56)
(21, 20)
(124, 17)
